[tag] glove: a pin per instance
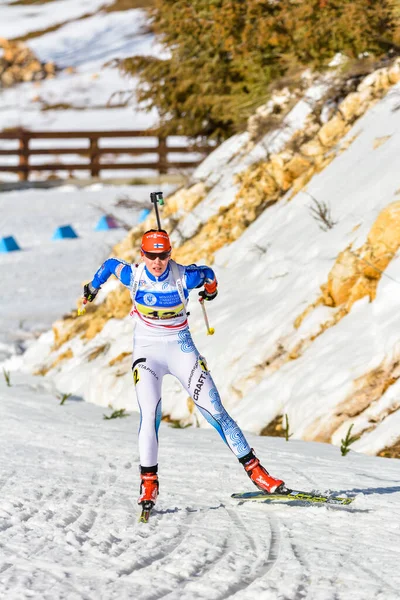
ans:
(210, 291)
(89, 292)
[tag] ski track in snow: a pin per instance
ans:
(69, 519)
(68, 515)
(167, 547)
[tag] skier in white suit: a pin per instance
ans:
(163, 344)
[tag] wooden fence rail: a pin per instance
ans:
(94, 152)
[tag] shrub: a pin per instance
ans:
(223, 54)
(347, 441)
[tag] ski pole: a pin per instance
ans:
(157, 199)
(210, 330)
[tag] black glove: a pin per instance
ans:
(207, 296)
(90, 292)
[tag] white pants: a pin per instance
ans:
(177, 355)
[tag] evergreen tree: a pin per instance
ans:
(223, 54)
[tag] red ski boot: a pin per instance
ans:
(260, 477)
(148, 488)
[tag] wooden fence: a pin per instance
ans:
(94, 152)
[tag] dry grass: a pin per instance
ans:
(98, 351)
(119, 358)
(29, 2)
(391, 452)
(120, 5)
(38, 33)
(275, 428)
(117, 5)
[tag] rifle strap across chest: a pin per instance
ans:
(178, 283)
(136, 281)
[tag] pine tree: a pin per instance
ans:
(222, 55)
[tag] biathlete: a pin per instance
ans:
(163, 344)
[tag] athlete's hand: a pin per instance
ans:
(210, 291)
(89, 292)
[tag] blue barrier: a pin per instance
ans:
(8, 244)
(65, 231)
(106, 222)
(143, 215)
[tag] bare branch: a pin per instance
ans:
(321, 213)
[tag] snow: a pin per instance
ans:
(44, 280)
(68, 517)
(85, 49)
(68, 477)
(218, 170)
(18, 20)
(92, 40)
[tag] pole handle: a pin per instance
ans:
(157, 199)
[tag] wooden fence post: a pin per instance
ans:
(94, 156)
(23, 146)
(162, 155)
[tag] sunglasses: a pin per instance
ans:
(154, 255)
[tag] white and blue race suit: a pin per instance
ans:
(163, 345)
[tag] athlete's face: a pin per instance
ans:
(156, 263)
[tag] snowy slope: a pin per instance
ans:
(68, 518)
(266, 279)
(21, 19)
(82, 47)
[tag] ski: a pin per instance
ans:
(292, 496)
(146, 510)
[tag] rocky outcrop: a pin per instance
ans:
(356, 273)
(18, 64)
(367, 390)
(267, 115)
(391, 451)
(117, 305)
(308, 152)
(313, 148)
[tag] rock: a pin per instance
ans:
(355, 104)
(19, 64)
(394, 73)
(264, 118)
(297, 166)
(332, 131)
(379, 80)
(50, 68)
(383, 241)
(341, 279)
(312, 148)
(184, 200)
(275, 167)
